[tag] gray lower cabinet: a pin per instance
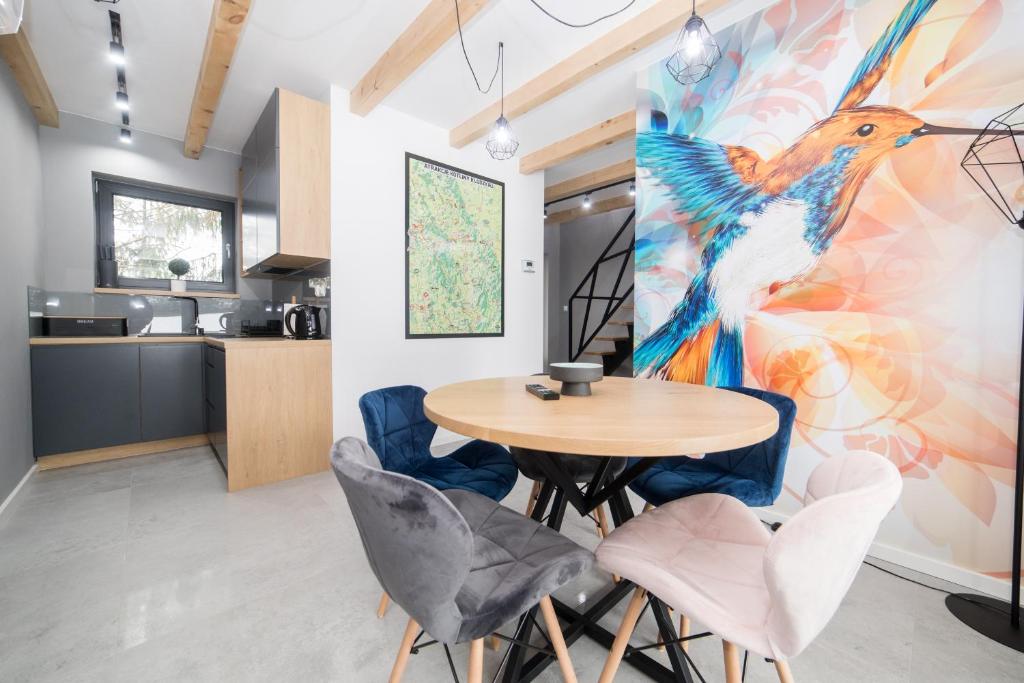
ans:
(84, 397)
(171, 391)
(216, 403)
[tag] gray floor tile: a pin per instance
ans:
(147, 569)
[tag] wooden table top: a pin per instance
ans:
(634, 417)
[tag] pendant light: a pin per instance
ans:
(502, 143)
(696, 52)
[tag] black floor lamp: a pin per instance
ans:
(996, 162)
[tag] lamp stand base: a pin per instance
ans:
(988, 616)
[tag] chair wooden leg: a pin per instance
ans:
(603, 529)
(382, 606)
(476, 661)
(648, 507)
(534, 492)
(602, 521)
(411, 629)
(785, 675)
(557, 641)
(733, 672)
(684, 630)
(611, 665)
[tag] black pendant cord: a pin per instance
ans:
(589, 23)
(498, 67)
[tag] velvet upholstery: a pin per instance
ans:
(581, 467)
(710, 557)
(752, 474)
(457, 562)
(400, 434)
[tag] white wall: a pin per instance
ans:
(21, 220)
(82, 146)
(368, 264)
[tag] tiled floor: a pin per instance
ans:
(146, 570)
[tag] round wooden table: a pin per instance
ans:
(641, 418)
(624, 417)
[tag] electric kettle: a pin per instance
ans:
(307, 322)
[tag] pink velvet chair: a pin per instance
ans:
(711, 558)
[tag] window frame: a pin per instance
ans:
(104, 190)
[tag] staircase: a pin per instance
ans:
(601, 308)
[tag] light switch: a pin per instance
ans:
(528, 265)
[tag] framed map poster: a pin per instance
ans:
(454, 252)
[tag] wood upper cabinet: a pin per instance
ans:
(286, 187)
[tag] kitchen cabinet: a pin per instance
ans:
(269, 408)
(216, 402)
(264, 405)
(285, 181)
(171, 390)
(85, 397)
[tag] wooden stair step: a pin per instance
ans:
(598, 353)
(620, 322)
(612, 339)
(628, 307)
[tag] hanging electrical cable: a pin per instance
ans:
(589, 23)
(469, 63)
(501, 143)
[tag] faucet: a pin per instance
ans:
(194, 327)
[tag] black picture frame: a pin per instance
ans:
(409, 158)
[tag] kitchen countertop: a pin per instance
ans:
(219, 342)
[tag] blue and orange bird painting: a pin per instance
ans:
(770, 221)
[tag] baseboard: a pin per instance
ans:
(971, 580)
(52, 462)
(10, 496)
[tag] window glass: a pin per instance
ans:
(148, 234)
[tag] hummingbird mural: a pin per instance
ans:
(770, 221)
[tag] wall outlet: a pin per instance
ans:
(528, 266)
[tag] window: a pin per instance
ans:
(145, 228)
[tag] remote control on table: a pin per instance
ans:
(542, 392)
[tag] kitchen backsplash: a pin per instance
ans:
(166, 314)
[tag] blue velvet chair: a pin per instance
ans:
(400, 435)
(752, 474)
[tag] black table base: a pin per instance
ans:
(558, 491)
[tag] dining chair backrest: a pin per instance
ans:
(396, 428)
(812, 560)
(764, 462)
(418, 544)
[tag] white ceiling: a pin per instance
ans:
(307, 46)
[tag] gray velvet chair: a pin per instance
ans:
(458, 563)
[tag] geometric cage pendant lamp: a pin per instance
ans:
(696, 52)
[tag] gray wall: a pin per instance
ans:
(21, 220)
(579, 244)
(80, 147)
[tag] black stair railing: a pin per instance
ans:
(612, 301)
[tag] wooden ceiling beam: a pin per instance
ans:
(661, 20)
(603, 206)
(17, 52)
(605, 133)
(226, 24)
(616, 173)
(434, 26)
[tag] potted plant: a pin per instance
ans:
(179, 267)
